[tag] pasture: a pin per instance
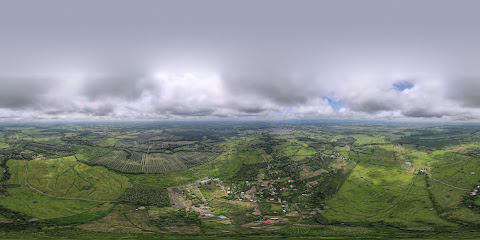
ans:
(66, 177)
(372, 194)
(25, 200)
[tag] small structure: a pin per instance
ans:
(206, 214)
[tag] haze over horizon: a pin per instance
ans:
(398, 60)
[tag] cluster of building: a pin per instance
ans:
(207, 180)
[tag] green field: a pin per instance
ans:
(372, 194)
(25, 200)
(65, 177)
(226, 180)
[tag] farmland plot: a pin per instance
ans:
(160, 163)
(153, 162)
(117, 160)
(191, 159)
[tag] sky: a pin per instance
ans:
(114, 59)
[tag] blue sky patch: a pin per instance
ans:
(402, 85)
(335, 104)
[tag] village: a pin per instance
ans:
(211, 197)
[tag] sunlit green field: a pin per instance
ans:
(372, 194)
(24, 199)
(66, 177)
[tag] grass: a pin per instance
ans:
(109, 142)
(459, 174)
(122, 219)
(25, 200)
(87, 153)
(4, 145)
(367, 140)
(66, 177)
(372, 194)
(292, 147)
(376, 155)
(235, 162)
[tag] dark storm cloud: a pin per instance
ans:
(269, 59)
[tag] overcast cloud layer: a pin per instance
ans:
(244, 60)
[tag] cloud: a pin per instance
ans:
(465, 90)
(160, 60)
(20, 92)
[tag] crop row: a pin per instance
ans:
(153, 162)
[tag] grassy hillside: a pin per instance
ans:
(66, 177)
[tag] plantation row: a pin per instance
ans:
(153, 162)
(159, 163)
